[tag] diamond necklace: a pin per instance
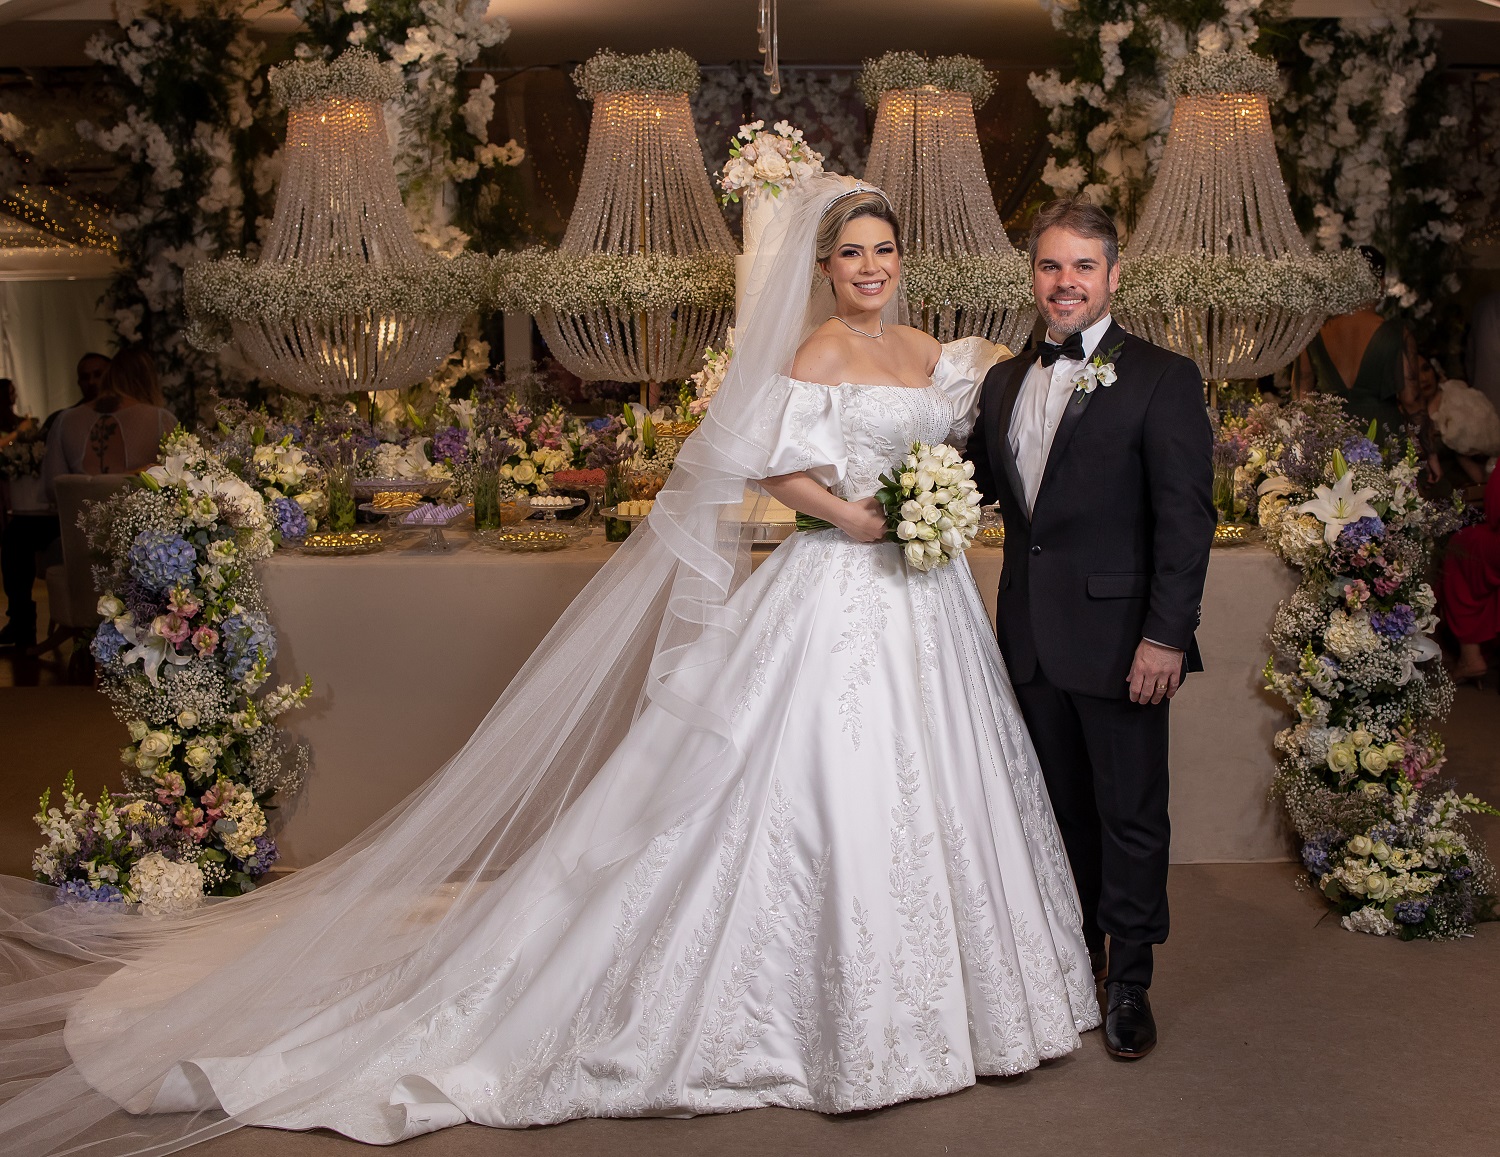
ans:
(862, 333)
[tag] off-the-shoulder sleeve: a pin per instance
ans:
(809, 435)
(959, 374)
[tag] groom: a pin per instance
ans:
(1098, 448)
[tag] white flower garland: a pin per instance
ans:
(907, 70)
(670, 70)
(535, 280)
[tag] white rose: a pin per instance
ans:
(915, 554)
(138, 729)
(911, 511)
(110, 607)
(198, 757)
(187, 719)
(906, 531)
(524, 473)
(157, 745)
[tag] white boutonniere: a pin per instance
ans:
(1100, 371)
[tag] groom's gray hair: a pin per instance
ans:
(1076, 216)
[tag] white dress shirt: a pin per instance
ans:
(1039, 408)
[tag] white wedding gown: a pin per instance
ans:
(876, 907)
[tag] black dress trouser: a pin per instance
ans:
(1105, 763)
(25, 536)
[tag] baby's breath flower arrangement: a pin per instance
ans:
(1353, 656)
(537, 279)
(183, 652)
(967, 281)
(1210, 73)
(666, 70)
(906, 70)
(1298, 284)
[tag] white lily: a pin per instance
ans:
(1338, 505)
(152, 650)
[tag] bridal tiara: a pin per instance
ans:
(860, 187)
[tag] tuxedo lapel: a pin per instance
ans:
(1000, 437)
(1077, 405)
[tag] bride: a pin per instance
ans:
(730, 839)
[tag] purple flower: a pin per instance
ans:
(108, 643)
(290, 519)
(1358, 450)
(1316, 851)
(259, 861)
(159, 560)
(78, 892)
(1361, 533)
(1396, 623)
(1461, 873)
(1411, 911)
(450, 444)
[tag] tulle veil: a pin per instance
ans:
(100, 1006)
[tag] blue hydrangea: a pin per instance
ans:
(1361, 532)
(290, 518)
(1461, 873)
(1358, 450)
(1411, 911)
(248, 637)
(78, 892)
(1396, 623)
(159, 560)
(108, 643)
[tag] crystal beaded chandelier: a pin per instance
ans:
(643, 281)
(344, 299)
(962, 274)
(1217, 268)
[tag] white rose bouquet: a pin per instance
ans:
(931, 505)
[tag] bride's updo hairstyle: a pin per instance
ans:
(848, 208)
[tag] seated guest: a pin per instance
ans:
(12, 424)
(32, 528)
(118, 432)
(1369, 361)
(1471, 586)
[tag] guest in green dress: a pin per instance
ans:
(1368, 360)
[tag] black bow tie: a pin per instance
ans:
(1070, 350)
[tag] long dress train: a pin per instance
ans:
(875, 906)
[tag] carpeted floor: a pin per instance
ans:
(1281, 1033)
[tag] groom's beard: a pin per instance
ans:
(1079, 319)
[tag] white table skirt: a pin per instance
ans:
(409, 651)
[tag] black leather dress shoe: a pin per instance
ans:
(1129, 1028)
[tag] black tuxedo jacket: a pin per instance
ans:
(1117, 546)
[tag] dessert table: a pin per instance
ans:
(408, 650)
